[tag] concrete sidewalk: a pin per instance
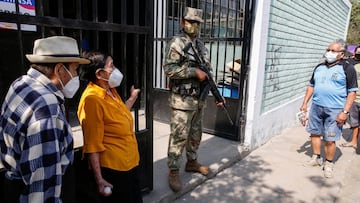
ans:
(272, 173)
(216, 152)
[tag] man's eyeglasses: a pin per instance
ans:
(333, 50)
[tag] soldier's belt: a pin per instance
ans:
(186, 90)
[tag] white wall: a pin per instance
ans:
(289, 38)
(256, 73)
(159, 47)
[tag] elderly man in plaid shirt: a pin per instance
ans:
(35, 138)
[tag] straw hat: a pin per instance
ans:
(56, 49)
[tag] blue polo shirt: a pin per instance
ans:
(332, 84)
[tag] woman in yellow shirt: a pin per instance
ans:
(110, 145)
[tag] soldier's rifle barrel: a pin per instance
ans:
(213, 87)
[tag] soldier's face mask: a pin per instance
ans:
(192, 27)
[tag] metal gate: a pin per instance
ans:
(226, 32)
(122, 28)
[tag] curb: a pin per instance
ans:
(200, 179)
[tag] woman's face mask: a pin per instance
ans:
(71, 87)
(115, 78)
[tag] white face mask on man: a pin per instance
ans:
(331, 56)
(71, 87)
(115, 78)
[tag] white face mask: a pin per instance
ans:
(331, 56)
(71, 87)
(115, 78)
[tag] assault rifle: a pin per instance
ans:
(210, 81)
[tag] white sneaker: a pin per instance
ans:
(314, 161)
(328, 169)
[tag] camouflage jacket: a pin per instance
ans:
(180, 69)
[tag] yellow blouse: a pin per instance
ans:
(108, 129)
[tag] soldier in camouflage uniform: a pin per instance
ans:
(185, 102)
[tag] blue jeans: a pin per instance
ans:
(322, 121)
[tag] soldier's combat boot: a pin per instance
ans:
(194, 166)
(174, 180)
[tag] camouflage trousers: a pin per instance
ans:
(186, 131)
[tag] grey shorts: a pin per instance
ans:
(354, 115)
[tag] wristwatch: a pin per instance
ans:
(346, 112)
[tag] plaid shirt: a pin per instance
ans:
(35, 139)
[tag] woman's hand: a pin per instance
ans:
(101, 187)
(134, 92)
(133, 96)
